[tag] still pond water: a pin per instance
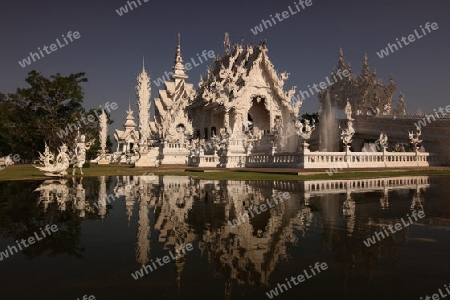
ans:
(109, 227)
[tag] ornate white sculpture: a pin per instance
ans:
(54, 167)
(414, 138)
(383, 140)
(147, 156)
(347, 134)
(401, 105)
(348, 111)
(277, 132)
(221, 142)
(103, 132)
(103, 123)
(143, 92)
(47, 158)
(298, 125)
(250, 141)
(304, 131)
(79, 157)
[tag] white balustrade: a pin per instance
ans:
(342, 160)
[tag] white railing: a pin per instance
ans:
(174, 145)
(204, 161)
(312, 186)
(371, 160)
(280, 160)
(320, 160)
(343, 160)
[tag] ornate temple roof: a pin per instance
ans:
(177, 91)
(129, 123)
(171, 105)
(244, 65)
(366, 93)
(130, 133)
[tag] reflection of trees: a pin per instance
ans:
(30, 206)
(65, 241)
(17, 204)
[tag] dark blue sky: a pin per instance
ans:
(306, 44)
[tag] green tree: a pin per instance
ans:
(44, 108)
(6, 111)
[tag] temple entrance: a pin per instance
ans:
(180, 128)
(259, 116)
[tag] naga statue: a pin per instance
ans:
(54, 167)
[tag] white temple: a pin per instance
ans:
(126, 140)
(242, 116)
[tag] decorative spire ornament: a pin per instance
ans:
(226, 43)
(341, 63)
(366, 69)
(103, 132)
(179, 64)
(143, 92)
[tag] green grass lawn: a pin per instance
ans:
(27, 172)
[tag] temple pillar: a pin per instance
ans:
(226, 122)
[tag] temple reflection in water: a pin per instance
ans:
(180, 209)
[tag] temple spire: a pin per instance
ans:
(129, 123)
(226, 43)
(143, 93)
(366, 68)
(179, 65)
(341, 63)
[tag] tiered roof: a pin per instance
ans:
(130, 132)
(172, 101)
(226, 78)
(366, 93)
